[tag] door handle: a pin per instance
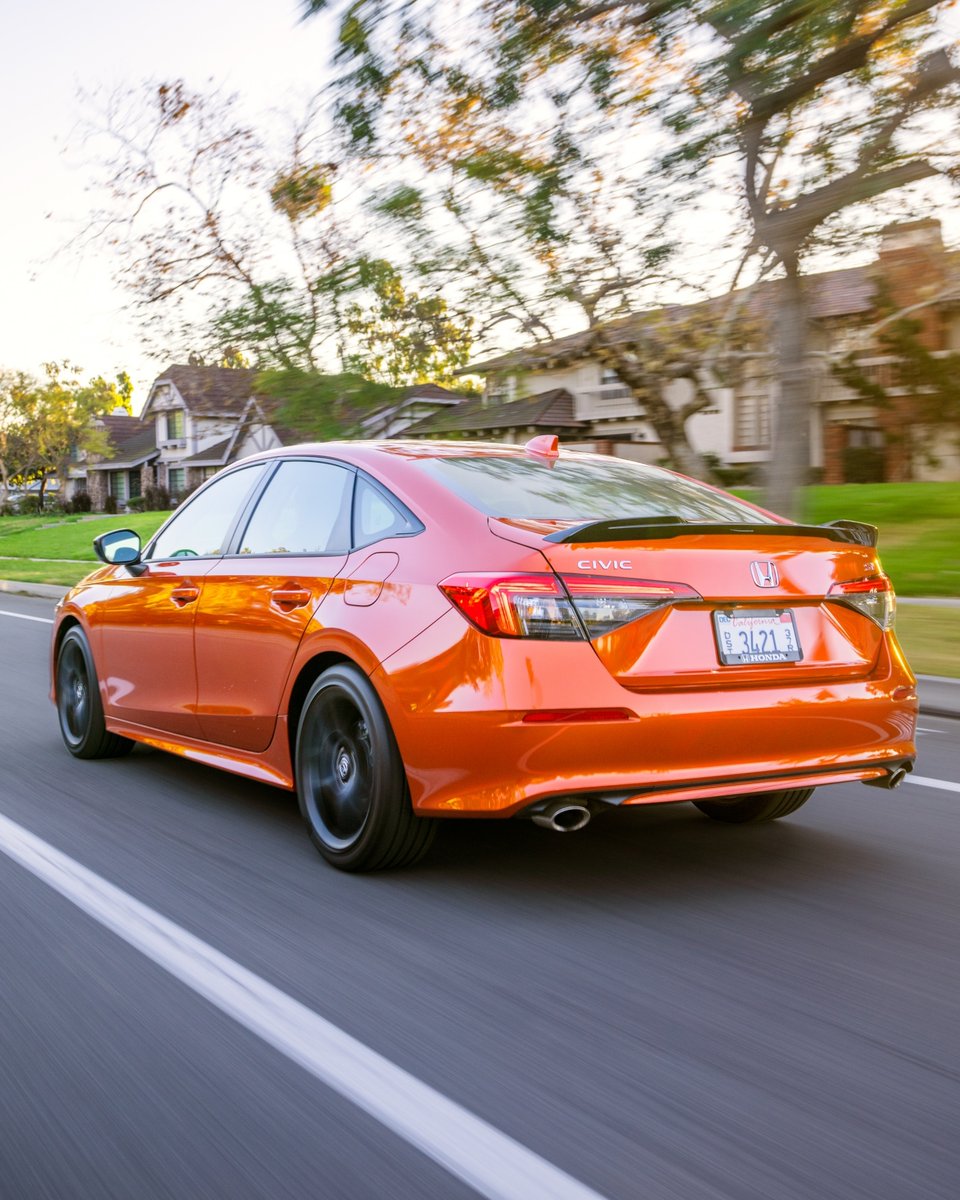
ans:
(181, 596)
(287, 599)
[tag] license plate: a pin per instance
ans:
(753, 635)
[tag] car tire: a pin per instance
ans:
(79, 707)
(751, 810)
(351, 783)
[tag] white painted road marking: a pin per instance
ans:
(943, 784)
(25, 617)
(489, 1161)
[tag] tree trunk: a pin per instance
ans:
(789, 463)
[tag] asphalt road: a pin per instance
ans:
(659, 1006)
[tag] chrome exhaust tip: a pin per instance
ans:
(562, 817)
(893, 778)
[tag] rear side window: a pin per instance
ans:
(581, 489)
(305, 509)
(376, 517)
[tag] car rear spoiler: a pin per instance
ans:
(631, 529)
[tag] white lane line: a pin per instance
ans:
(943, 784)
(489, 1161)
(25, 617)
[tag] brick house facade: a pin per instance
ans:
(914, 270)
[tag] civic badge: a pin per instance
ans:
(765, 574)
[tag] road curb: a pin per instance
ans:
(44, 591)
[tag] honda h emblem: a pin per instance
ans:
(765, 574)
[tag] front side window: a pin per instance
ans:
(305, 509)
(201, 527)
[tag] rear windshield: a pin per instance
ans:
(581, 489)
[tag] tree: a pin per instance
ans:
(824, 108)
(243, 244)
(402, 337)
(44, 423)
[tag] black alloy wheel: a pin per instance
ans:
(78, 702)
(351, 783)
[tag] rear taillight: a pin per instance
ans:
(521, 606)
(569, 609)
(873, 597)
(603, 605)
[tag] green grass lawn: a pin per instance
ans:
(919, 527)
(59, 537)
(930, 638)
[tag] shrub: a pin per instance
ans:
(155, 498)
(110, 504)
(136, 504)
(30, 503)
(864, 464)
(80, 503)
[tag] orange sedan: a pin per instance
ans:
(403, 631)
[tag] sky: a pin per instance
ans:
(55, 305)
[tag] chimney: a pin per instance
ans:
(912, 265)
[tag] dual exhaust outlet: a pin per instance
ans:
(567, 816)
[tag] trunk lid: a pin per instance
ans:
(760, 613)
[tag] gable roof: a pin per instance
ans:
(132, 441)
(210, 389)
(552, 409)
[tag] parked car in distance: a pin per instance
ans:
(409, 631)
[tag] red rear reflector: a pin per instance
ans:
(575, 715)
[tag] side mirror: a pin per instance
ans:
(119, 547)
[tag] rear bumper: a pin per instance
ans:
(468, 751)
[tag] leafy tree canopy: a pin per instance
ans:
(45, 422)
(819, 108)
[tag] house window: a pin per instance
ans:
(208, 473)
(176, 480)
(751, 421)
(134, 485)
(861, 438)
(608, 375)
(502, 389)
(118, 486)
(176, 425)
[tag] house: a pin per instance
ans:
(120, 474)
(197, 419)
(912, 266)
